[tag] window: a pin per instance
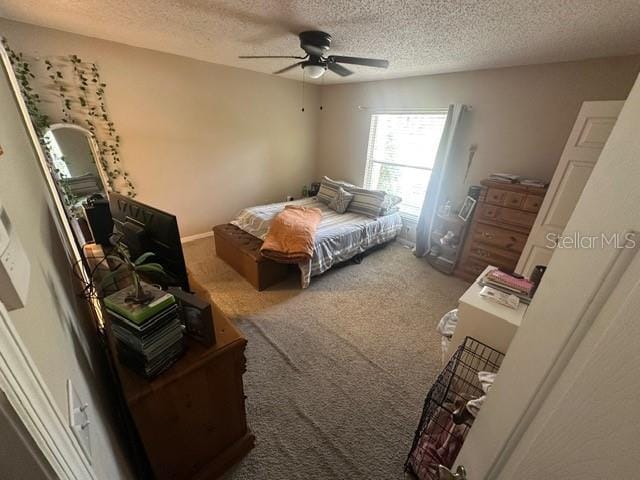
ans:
(59, 165)
(401, 154)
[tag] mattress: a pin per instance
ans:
(339, 237)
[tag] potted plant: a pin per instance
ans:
(121, 257)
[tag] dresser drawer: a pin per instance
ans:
(532, 203)
(495, 196)
(514, 199)
(507, 216)
(498, 237)
(494, 256)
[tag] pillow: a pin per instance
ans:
(391, 200)
(390, 204)
(389, 211)
(366, 202)
(329, 189)
(341, 201)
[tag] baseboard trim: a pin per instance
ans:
(197, 236)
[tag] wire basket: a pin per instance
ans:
(439, 438)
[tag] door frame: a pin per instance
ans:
(19, 377)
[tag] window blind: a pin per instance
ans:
(401, 154)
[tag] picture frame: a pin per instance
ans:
(467, 208)
(196, 315)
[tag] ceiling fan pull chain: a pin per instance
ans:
(303, 89)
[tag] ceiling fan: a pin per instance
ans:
(316, 45)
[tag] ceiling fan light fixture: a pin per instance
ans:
(314, 71)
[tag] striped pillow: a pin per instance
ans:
(329, 189)
(341, 201)
(366, 202)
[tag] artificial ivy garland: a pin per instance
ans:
(76, 86)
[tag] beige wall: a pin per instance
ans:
(199, 140)
(59, 336)
(520, 119)
(203, 141)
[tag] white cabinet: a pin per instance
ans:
(486, 321)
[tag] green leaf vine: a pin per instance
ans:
(69, 90)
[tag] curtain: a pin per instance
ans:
(433, 195)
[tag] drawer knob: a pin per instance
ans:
(487, 235)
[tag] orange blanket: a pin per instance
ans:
(291, 236)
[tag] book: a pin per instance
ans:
(138, 313)
(503, 279)
(149, 326)
(533, 182)
(523, 298)
(504, 177)
(502, 298)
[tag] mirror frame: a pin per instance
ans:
(93, 145)
(58, 211)
(66, 457)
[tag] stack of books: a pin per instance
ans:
(502, 281)
(511, 178)
(149, 337)
(533, 182)
(504, 178)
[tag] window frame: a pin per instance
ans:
(370, 162)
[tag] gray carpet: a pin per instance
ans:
(336, 374)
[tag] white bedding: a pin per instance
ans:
(339, 236)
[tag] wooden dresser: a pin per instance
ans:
(501, 224)
(191, 419)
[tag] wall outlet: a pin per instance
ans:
(79, 419)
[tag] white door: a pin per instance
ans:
(590, 132)
(564, 405)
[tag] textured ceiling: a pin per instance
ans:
(417, 37)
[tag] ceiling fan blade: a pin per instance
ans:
(339, 69)
(369, 62)
(271, 56)
(286, 69)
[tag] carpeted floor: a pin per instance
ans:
(336, 374)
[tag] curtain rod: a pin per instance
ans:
(407, 109)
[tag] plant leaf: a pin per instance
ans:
(143, 258)
(116, 259)
(151, 268)
(109, 277)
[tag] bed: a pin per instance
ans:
(339, 236)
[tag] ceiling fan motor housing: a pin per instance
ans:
(315, 42)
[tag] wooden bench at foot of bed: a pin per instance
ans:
(242, 251)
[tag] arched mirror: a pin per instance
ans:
(78, 174)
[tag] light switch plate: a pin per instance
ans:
(79, 419)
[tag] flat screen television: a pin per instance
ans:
(147, 229)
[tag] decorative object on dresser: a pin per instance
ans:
(195, 315)
(504, 215)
